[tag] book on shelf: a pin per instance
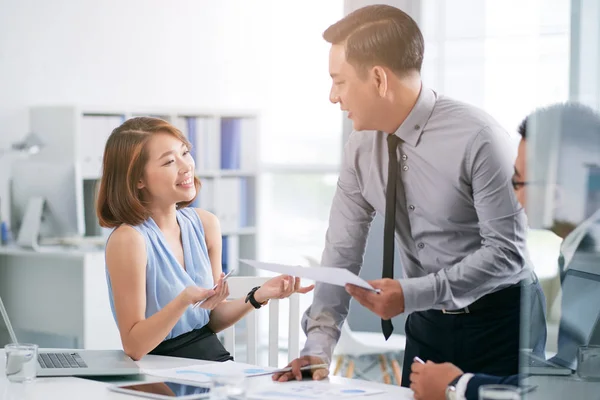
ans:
(238, 144)
(243, 204)
(231, 143)
(227, 202)
(230, 253)
(201, 133)
(206, 195)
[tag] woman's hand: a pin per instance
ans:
(280, 287)
(210, 298)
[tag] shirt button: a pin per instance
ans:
(411, 207)
(405, 168)
(417, 127)
(421, 245)
(404, 157)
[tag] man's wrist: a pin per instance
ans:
(458, 387)
(316, 348)
(418, 293)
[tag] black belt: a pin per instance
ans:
(491, 300)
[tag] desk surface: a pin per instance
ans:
(77, 388)
(562, 387)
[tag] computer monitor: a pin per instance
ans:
(60, 187)
(580, 308)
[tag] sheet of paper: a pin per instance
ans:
(204, 372)
(334, 276)
(309, 390)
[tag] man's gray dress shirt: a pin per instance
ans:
(465, 234)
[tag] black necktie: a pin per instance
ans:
(390, 222)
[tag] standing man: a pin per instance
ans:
(440, 171)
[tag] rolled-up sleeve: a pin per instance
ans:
(501, 258)
(349, 222)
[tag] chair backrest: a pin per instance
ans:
(239, 286)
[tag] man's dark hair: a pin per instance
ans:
(379, 35)
(571, 117)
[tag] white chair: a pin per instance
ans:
(239, 288)
(353, 345)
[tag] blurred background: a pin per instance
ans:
(264, 60)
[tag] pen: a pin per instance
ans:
(214, 287)
(417, 359)
(288, 369)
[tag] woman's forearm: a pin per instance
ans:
(228, 313)
(146, 334)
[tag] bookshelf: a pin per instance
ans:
(224, 146)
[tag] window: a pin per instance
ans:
(296, 215)
(507, 57)
(301, 140)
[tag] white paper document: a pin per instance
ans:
(265, 389)
(333, 276)
(309, 390)
(204, 372)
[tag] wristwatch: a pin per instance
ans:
(451, 389)
(250, 298)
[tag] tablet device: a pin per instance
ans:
(164, 390)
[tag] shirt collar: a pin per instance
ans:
(411, 129)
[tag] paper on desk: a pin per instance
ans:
(204, 372)
(334, 276)
(309, 390)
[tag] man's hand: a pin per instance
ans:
(317, 374)
(387, 304)
(429, 381)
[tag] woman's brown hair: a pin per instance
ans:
(125, 155)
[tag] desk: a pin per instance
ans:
(58, 297)
(77, 388)
(562, 387)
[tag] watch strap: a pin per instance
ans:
(250, 298)
(454, 381)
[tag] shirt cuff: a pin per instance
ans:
(461, 386)
(319, 344)
(419, 293)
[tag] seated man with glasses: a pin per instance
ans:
(566, 140)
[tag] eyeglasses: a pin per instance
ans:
(518, 184)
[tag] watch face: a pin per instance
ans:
(450, 392)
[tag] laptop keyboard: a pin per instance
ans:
(61, 360)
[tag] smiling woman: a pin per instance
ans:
(121, 199)
(164, 256)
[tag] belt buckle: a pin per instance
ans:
(457, 312)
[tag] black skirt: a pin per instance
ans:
(200, 344)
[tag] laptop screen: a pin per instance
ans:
(579, 315)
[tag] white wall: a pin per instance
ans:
(125, 53)
(134, 52)
(261, 54)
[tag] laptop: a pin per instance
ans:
(536, 365)
(580, 317)
(85, 363)
(52, 362)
